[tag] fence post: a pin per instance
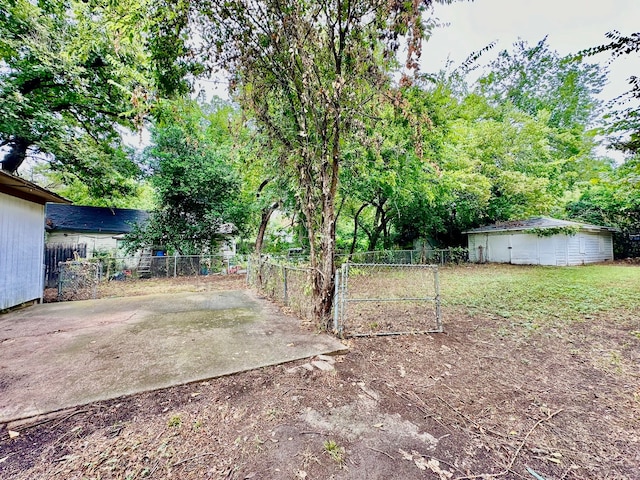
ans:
(436, 280)
(284, 285)
(343, 296)
(336, 299)
(175, 265)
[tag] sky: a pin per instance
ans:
(571, 26)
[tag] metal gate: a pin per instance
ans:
(383, 299)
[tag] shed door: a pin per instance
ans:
(499, 248)
(547, 250)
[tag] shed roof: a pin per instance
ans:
(21, 188)
(538, 223)
(77, 218)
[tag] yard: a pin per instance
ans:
(536, 376)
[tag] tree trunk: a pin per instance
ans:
(266, 215)
(355, 229)
(16, 155)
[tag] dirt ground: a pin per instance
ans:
(479, 401)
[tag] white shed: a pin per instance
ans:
(22, 239)
(541, 241)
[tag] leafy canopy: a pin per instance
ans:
(197, 188)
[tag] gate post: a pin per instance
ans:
(284, 282)
(336, 305)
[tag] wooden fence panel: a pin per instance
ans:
(55, 253)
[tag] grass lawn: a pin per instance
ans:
(536, 296)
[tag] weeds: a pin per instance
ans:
(335, 451)
(175, 421)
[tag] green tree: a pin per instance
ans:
(623, 123)
(68, 85)
(537, 78)
(306, 71)
(191, 169)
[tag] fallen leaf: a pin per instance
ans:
(405, 455)
(421, 463)
(13, 434)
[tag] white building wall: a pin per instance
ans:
(524, 249)
(590, 247)
(528, 249)
(95, 241)
(21, 251)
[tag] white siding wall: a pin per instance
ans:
(473, 248)
(478, 242)
(527, 249)
(95, 241)
(562, 252)
(524, 249)
(21, 251)
(587, 247)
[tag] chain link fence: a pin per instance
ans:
(78, 280)
(426, 256)
(288, 285)
(121, 268)
(387, 299)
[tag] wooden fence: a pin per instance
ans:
(56, 253)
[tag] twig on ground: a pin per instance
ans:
(470, 420)
(515, 455)
(206, 454)
(380, 451)
(438, 460)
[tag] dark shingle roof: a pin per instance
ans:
(537, 222)
(74, 218)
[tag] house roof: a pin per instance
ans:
(21, 188)
(538, 223)
(77, 218)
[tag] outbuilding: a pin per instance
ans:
(22, 205)
(97, 228)
(541, 241)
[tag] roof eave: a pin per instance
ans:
(20, 188)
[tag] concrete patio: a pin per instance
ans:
(62, 355)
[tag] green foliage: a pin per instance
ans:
(537, 79)
(68, 84)
(623, 125)
(335, 451)
(198, 189)
(551, 231)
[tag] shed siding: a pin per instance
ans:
(473, 254)
(524, 249)
(21, 251)
(587, 247)
(561, 244)
(529, 249)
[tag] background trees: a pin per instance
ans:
(307, 71)
(197, 188)
(68, 85)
